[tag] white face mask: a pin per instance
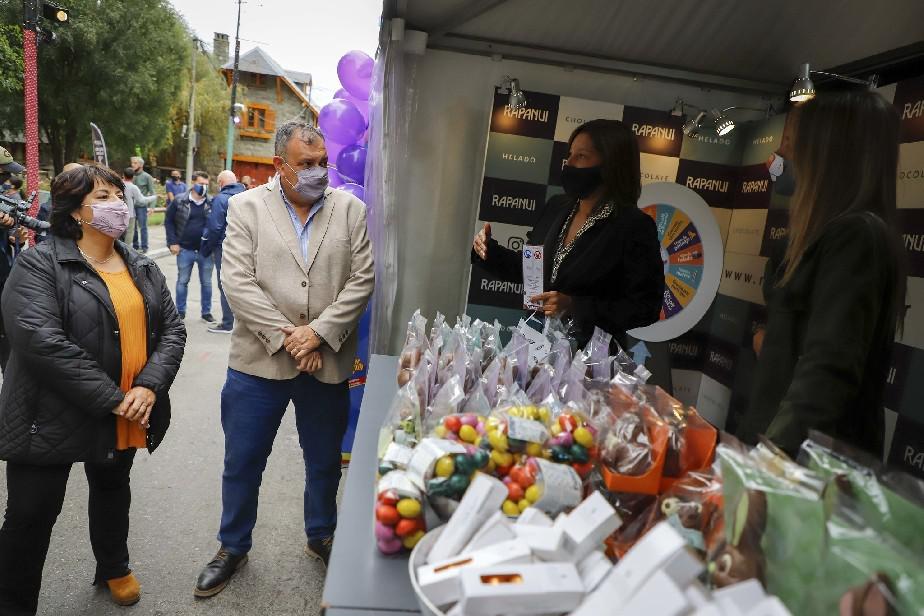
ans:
(775, 167)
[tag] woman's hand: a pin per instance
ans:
(137, 405)
(554, 304)
(480, 244)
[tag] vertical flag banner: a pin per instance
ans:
(99, 146)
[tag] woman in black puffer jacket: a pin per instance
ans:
(96, 343)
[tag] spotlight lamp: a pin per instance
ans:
(517, 98)
(803, 89)
(718, 118)
(692, 127)
(54, 13)
(723, 123)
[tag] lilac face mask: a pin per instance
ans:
(110, 217)
(312, 182)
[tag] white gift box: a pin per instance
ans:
(534, 517)
(593, 568)
(439, 581)
(660, 594)
(520, 590)
(739, 598)
(496, 530)
(661, 550)
(588, 525)
(547, 544)
(482, 500)
(770, 606)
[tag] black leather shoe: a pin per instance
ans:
(320, 549)
(218, 573)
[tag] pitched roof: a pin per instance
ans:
(299, 76)
(256, 60)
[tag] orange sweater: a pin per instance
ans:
(129, 308)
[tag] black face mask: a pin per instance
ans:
(581, 182)
(175, 180)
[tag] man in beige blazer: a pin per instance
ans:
(297, 272)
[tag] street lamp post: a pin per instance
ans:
(232, 114)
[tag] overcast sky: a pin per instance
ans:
(301, 35)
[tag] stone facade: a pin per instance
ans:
(291, 106)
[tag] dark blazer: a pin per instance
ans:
(614, 274)
(62, 381)
(827, 347)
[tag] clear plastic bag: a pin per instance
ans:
(774, 523)
(536, 482)
(448, 401)
(691, 440)
(891, 501)
(863, 571)
(560, 359)
(415, 343)
(596, 356)
(541, 386)
(573, 385)
(399, 514)
(490, 381)
(491, 343)
(402, 424)
(693, 506)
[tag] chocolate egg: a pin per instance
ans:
(579, 453)
(409, 508)
(458, 484)
(383, 532)
(389, 546)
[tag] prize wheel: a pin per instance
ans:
(692, 253)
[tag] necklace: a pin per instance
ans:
(100, 261)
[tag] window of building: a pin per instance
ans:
(258, 122)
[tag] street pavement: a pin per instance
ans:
(176, 505)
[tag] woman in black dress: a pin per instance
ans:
(604, 266)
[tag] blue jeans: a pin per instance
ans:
(141, 229)
(184, 263)
(251, 411)
(227, 317)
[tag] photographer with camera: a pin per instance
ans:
(10, 238)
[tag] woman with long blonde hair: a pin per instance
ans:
(835, 301)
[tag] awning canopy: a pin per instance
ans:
(734, 44)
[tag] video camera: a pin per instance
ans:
(16, 209)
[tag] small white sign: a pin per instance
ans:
(539, 345)
(533, 274)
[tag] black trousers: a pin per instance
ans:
(35, 495)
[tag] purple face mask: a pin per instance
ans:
(312, 182)
(110, 217)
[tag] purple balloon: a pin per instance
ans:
(341, 121)
(334, 178)
(351, 164)
(333, 150)
(354, 189)
(355, 72)
(363, 106)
